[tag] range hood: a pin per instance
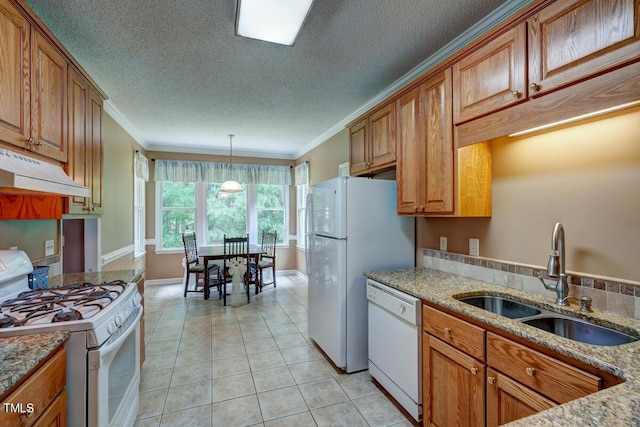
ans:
(20, 172)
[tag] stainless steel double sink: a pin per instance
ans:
(558, 324)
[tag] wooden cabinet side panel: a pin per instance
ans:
(491, 78)
(409, 162)
(96, 152)
(509, 401)
(77, 166)
(14, 76)
(474, 180)
(454, 387)
(437, 136)
(574, 39)
(48, 99)
(358, 147)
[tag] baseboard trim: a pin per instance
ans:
(156, 282)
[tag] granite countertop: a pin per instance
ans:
(20, 354)
(94, 277)
(617, 405)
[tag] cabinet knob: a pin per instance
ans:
(491, 380)
(415, 208)
(447, 331)
(36, 143)
(515, 94)
(534, 87)
(422, 208)
(474, 370)
(530, 371)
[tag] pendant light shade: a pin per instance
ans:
(230, 186)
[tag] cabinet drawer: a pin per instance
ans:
(554, 379)
(40, 389)
(460, 334)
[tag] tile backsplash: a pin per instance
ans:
(613, 295)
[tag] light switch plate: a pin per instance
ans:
(48, 247)
(474, 247)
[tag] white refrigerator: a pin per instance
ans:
(352, 227)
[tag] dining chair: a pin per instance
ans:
(236, 249)
(268, 258)
(194, 266)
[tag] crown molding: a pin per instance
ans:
(496, 17)
(122, 120)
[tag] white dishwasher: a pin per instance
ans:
(395, 344)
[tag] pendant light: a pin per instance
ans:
(230, 186)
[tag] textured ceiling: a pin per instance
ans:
(178, 75)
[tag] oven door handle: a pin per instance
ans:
(122, 334)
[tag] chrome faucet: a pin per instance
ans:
(556, 267)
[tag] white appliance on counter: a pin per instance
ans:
(103, 351)
(395, 344)
(352, 227)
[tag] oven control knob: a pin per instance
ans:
(111, 328)
(119, 320)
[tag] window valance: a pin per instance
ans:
(302, 173)
(141, 166)
(190, 171)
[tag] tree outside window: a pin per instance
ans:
(178, 212)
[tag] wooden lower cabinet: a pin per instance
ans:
(508, 400)
(519, 380)
(42, 396)
(453, 386)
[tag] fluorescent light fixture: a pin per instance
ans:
(274, 21)
(576, 118)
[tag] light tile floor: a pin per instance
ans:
(210, 365)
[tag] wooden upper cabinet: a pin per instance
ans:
(358, 147)
(492, 77)
(33, 85)
(571, 40)
(85, 144)
(383, 144)
(78, 168)
(425, 170)
(410, 154)
(48, 99)
(15, 124)
(372, 143)
(437, 137)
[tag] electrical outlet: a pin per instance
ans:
(443, 243)
(474, 247)
(48, 247)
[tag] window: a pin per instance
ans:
(301, 201)
(140, 177)
(201, 207)
(138, 217)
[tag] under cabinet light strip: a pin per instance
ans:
(576, 118)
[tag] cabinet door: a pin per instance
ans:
(410, 161)
(492, 77)
(508, 400)
(358, 147)
(437, 137)
(95, 150)
(48, 99)
(453, 386)
(574, 39)
(14, 76)
(78, 166)
(383, 143)
(56, 414)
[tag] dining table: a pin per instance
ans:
(213, 253)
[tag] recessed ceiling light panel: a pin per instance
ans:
(274, 21)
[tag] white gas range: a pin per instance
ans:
(103, 351)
